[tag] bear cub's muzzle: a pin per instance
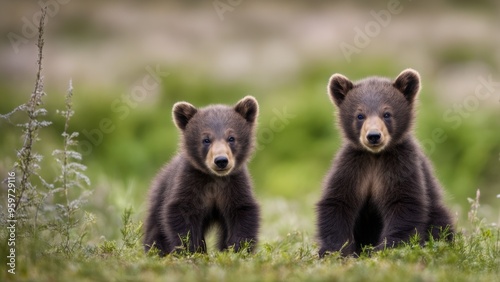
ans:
(374, 134)
(220, 158)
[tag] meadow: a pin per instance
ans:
(83, 217)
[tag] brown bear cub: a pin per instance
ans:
(207, 183)
(380, 190)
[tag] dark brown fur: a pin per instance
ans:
(195, 191)
(380, 191)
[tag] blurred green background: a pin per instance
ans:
(283, 54)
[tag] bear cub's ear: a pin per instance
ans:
(248, 108)
(408, 82)
(182, 113)
(338, 86)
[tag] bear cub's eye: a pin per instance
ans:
(361, 117)
(387, 115)
(206, 141)
(231, 139)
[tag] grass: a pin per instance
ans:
(473, 256)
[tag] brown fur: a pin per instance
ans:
(207, 183)
(380, 190)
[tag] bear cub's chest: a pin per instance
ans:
(374, 180)
(214, 194)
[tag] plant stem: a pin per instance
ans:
(26, 156)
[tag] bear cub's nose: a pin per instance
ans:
(373, 137)
(221, 162)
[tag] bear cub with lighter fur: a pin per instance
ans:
(207, 183)
(380, 190)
